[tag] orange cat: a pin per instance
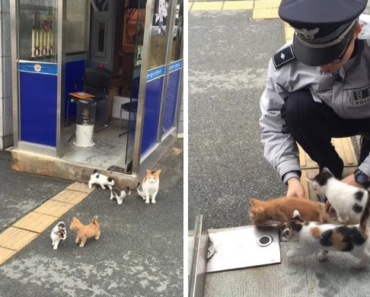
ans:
(281, 209)
(85, 232)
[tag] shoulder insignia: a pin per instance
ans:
(283, 56)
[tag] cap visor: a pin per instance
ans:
(318, 56)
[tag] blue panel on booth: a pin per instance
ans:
(172, 92)
(151, 117)
(73, 71)
(38, 107)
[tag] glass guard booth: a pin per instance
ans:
(97, 82)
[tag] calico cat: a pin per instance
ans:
(149, 186)
(281, 209)
(348, 201)
(322, 238)
(119, 194)
(85, 232)
(101, 179)
(58, 233)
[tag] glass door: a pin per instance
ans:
(134, 37)
(174, 72)
(76, 40)
(37, 72)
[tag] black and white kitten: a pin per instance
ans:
(58, 233)
(348, 201)
(101, 179)
(119, 194)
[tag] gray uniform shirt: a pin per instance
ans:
(350, 99)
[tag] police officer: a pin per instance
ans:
(318, 87)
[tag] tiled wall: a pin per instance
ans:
(6, 109)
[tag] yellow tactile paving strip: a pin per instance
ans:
(267, 4)
(14, 238)
(289, 32)
(220, 5)
(265, 13)
(238, 5)
(35, 222)
(72, 197)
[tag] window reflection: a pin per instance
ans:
(158, 40)
(37, 30)
(101, 37)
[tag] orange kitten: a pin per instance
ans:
(85, 232)
(281, 209)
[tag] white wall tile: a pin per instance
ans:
(8, 116)
(6, 5)
(1, 78)
(7, 77)
(6, 34)
(1, 34)
(1, 117)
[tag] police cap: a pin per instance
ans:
(323, 29)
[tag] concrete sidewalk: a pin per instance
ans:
(139, 253)
(228, 60)
(20, 193)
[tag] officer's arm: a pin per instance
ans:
(280, 149)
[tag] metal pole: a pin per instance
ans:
(15, 74)
(180, 90)
(169, 40)
(61, 4)
(142, 88)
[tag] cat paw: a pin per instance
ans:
(290, 253)
(322, 255)
(360, 264)
(340, 220)
(154, 201)
(147, 201)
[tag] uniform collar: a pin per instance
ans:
(359, 46)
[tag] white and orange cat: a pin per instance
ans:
(281, 209)
(150, 185)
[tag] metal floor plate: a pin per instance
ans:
(244, 247)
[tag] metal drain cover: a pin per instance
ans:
(244, 247)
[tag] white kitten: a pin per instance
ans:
(322, 238)
(119, 194)
(101, 179)
(348, 201)
(58, 233)
(149, 186)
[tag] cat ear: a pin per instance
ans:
(310, 180)
(148, 171)
(258, 210)
(158, 172)
(296, 215)
(325, 169)
(253, 201)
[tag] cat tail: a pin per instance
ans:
(94, 220)
(140, 192)
(365, 215)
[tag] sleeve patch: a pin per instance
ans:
(283, 56)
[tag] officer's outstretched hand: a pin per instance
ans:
(295, 188)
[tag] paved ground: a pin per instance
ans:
(228, 58)
(227, 71)
(140, 251)
(20, 193)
